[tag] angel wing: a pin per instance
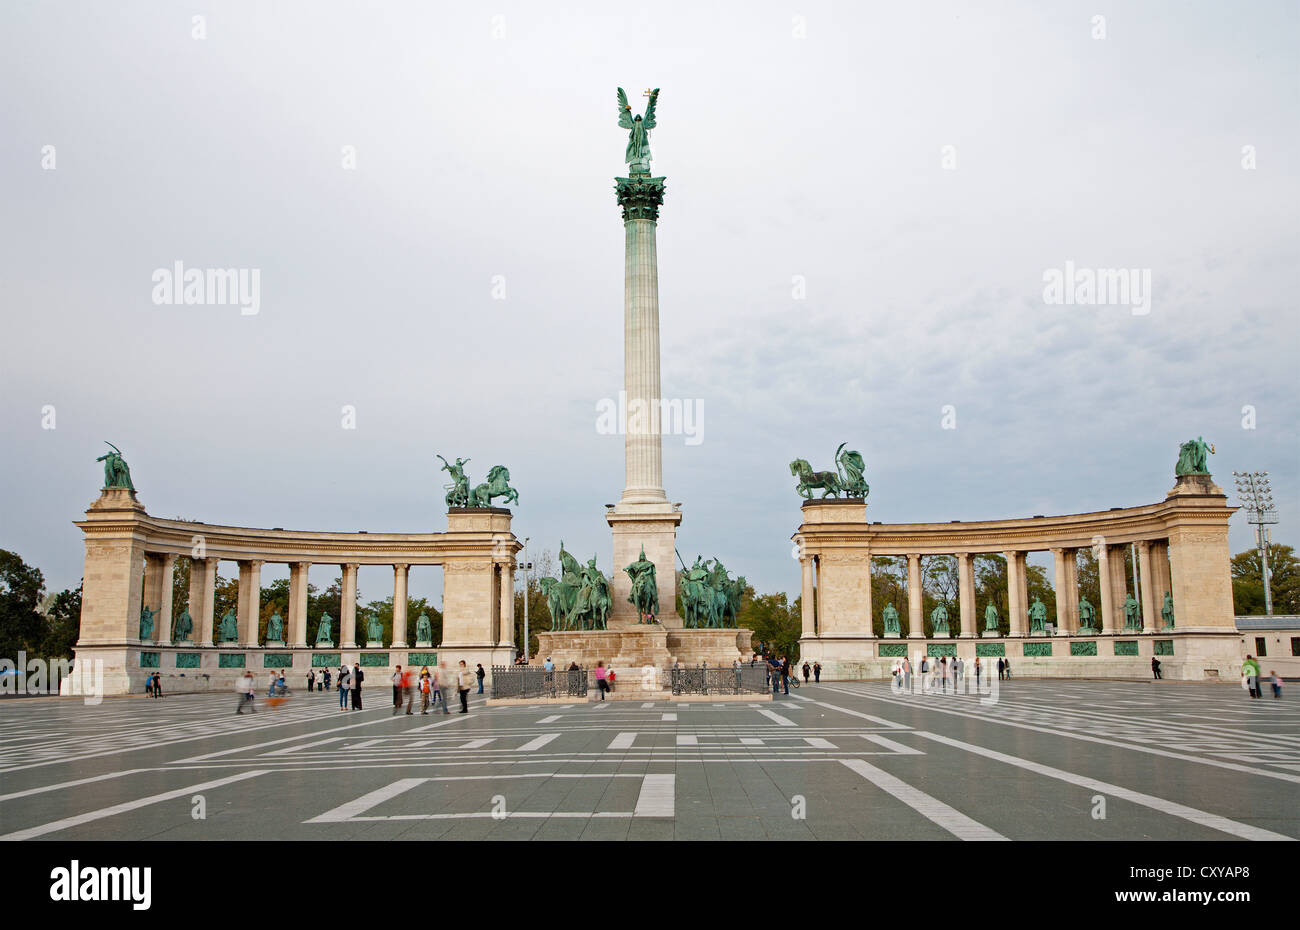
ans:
(624, 111)
(648, 121)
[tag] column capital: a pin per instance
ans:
(640, 196)
(401, 566)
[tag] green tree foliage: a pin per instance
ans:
(22, 627)
(776, 622)
(1248, 581)
(64, 624)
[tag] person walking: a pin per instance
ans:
(1277, 684)
(1000, 668)
(311, 680)
(465, 678)
(807, 671)
(785, 674)
(157, 685)
(425, 690)
(345, 686)
(1008, 669)
(1250, 671)
(397, 690)
(408, 689)
(907, 674)
(1155, 669)
(817, 672)
(774, 674)
(601, 684)
(358, 676)
(480, 675)
(441, 684)
(327, 680)
(245, 688)
(977, 673)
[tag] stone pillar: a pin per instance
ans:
(348, 607)
(163, 622)
(152, 595)
(1201, 578)
(806, 597)
(1160, 580)
(1016, 606)
(249, 604)
(1072, 586)
(298, 603)
(1106, 587)
(400, 573)
(1064, 591)
(966, 593)
(506, 636)
(203, 593)
(1118, 584)
(915, 618)
(1146, 597)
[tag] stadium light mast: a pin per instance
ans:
(1257, 499)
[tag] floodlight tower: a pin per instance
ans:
(1257, 499)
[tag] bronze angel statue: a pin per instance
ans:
(638, 137)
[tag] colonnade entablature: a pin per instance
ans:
(1181, 544)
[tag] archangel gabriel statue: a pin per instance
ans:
(638, 137)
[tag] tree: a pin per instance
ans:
(991, 587)
(1248, 581)
(22, 628)
(776, 623)
(63, 624)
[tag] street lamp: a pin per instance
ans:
(1257, 500)
(526, 567)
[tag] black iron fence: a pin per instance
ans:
(533, 681)
(747, 679)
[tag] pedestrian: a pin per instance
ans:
(345, 686)
(327, 680)
(397, 690)
(441, 677)
(311, 680)
(464, 678)
(148, 684)
(907, 674)
(1008, 664)
(425, 690)
(610, 679)
(601, 684)
(943, 673)
(157, 685)
(817, 672)
(408, 689)
(1277, 684)
(1155, 668)
(785, 673)
(245, 688)
(480, 675)
(358, 676)
(1250, 671)
(807, 671)
(1000, 668)
(977, 672)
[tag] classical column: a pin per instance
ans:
(1106, 587)
(348, 607)
(1063, 592)
(400, 573)
(1016, 593)
(1146, 597)
(1160, 580)
(915, 620)
(162, 628)
(203, 592)
(806, 597)
(249, 604)
(298, 603)
(1119, 584)
(1072, 588)
(966, 593)
(866, 594)
(506, 636)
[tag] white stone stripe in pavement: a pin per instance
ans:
(687, 739)
(668, 717)
(551, 719)
(122, 808)
(817, 742)
(647, 704)
(535, 744)
(784, 721)
(1174, 809)
(69, 784)
(951, 819)
(658, 796)
(362, 804)
(892, 745)
(623, 741)
(476, 743)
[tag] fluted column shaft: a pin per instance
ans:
(348, 607)
(915, 614)
(643, 440)
(400, 576)
(966, 593)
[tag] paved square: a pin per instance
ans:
(1167, 760)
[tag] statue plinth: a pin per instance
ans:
(374, 644)
(329, 644)
(275, 644)
(990, 634)
(1200, 485)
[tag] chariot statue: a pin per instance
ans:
(847, 478)
(458, 490)
(497, 485)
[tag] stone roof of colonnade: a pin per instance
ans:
(842, 524)
(476, 531)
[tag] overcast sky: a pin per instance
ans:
(804, 148)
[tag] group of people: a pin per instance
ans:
(348, 684)
(952, 670)
(1250, 672)
(778, 671)
(430, 687)
(153, 685)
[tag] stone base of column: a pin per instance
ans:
(654, 526)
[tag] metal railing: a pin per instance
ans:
(747, 679)
(531, 682)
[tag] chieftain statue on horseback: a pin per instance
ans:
(710, 600)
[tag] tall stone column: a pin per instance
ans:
(1118, 584)
(163, 622)
(249, 605)
(506, 635)
(203, 593)
(966, 593)
(1146, 597)
(806, 596)
(1106, 587)
(915, 612)
(348, 607)
(152, 595)
(1160, 581)
(1072, 587)
(1016, 606)
(400, 573)
(1064, 593)
(298, 603)
(643, 518)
